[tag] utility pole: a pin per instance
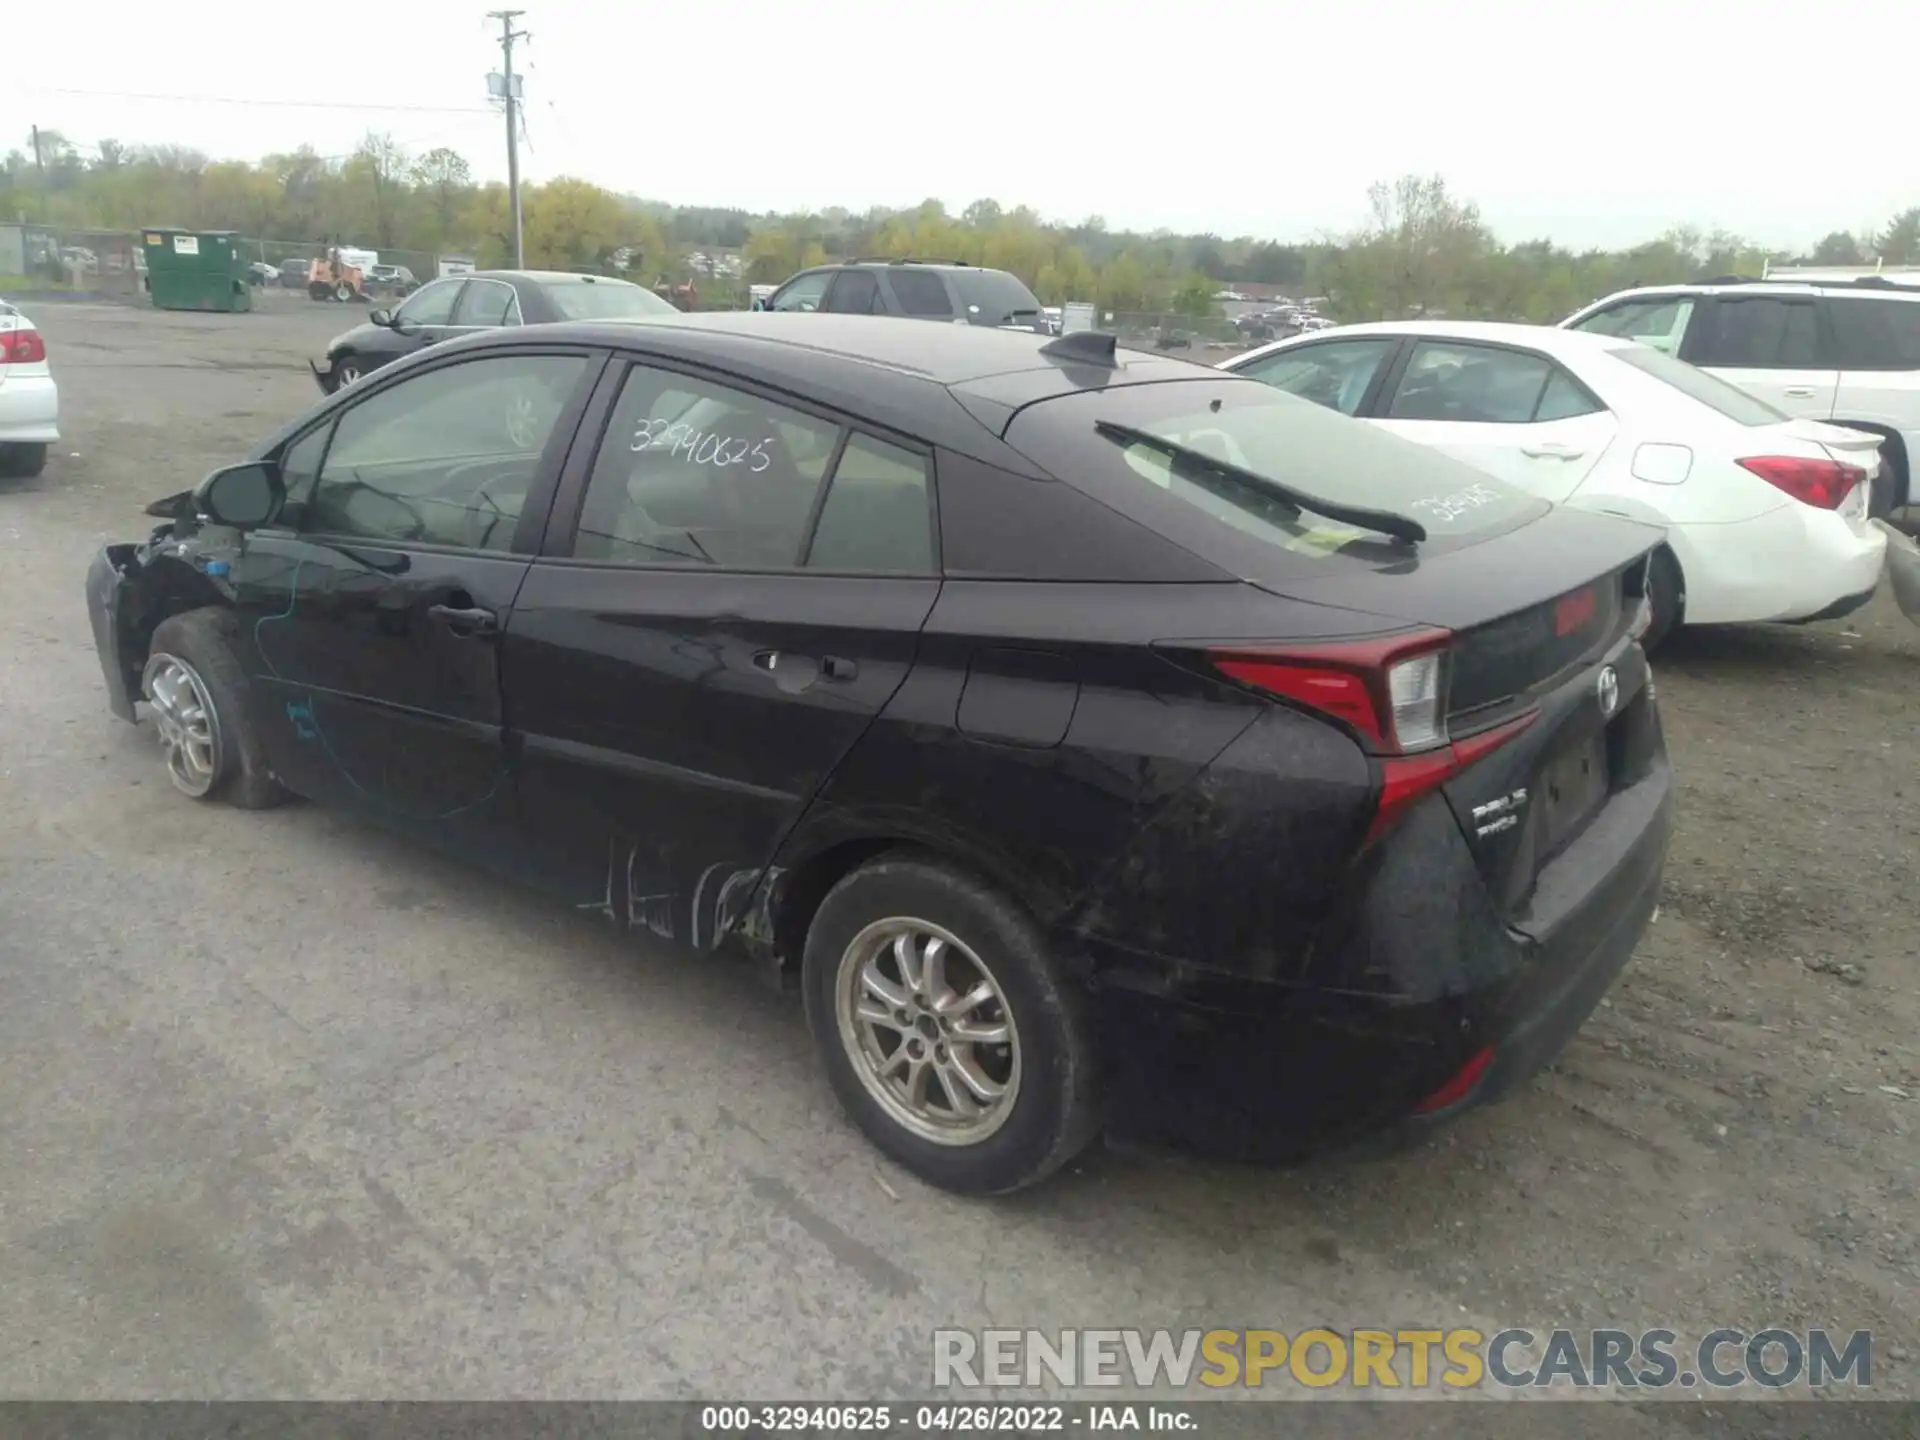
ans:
(39, 161)
(507, 36)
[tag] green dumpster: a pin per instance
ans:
(196, 270)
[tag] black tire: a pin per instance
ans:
(204, 640)
(22, 462)
(319, 290)
(346, 370)
(1669, 600)
(1054, 1110)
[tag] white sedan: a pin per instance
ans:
(1766, 516)
(29, 400)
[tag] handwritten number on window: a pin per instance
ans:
(698, 447)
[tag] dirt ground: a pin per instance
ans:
(1734, 1139)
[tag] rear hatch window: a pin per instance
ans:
(1300, 445)
(1710, 390)
(605, 300)
(993, 297)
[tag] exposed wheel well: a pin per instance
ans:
(802, 888)
(169, 588)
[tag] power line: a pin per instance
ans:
(282, 104)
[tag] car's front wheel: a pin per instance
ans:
(196, 690)
(346, 370)
(950, 1032)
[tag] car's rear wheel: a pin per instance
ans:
(196, 690)
(1667, 596)
(950, 1032)
(22, 462)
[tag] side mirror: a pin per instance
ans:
(380, 317)
(242, 495)
(760, 302)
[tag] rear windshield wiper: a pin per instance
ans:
(1387, 522)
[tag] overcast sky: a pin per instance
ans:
(1598, 123)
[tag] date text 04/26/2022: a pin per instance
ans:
(963, 1419)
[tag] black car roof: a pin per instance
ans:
(951, 355)
(951, 385)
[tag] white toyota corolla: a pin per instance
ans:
(1766, 516)
(29, 400)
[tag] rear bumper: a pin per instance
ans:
(1793, 563)
(106, 591)
(1421, 978)
(29, 410)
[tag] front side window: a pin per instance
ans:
(1761, 333)
(1333, 373)
(804, 292)
(444, 458)
(1469, 384)
(695, 473)
(1656, 320)
(431, 304)
(488, 304)
(921, 293)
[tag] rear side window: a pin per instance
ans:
(1260, 429)
(1480, 385)
(1710, 390)
(1875, 334)
(694, 473)
(921, 293)
(993, 297)
(1761, 333)
(877, 516)
(855, 292)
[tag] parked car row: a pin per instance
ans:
(1264, 758)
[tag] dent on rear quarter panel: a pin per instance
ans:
(1042, 819)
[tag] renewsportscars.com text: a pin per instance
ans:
(1459, 1359)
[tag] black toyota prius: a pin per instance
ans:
(1097, 741)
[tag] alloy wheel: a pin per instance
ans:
(188, 724)
(928, 1030)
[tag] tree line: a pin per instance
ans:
(1420, 250)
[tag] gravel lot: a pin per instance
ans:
(294, 1109)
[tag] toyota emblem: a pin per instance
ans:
(1608, 689)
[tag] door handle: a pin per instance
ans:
(766, 660)
(1800, 392)
(1552, 450)
(465, 620)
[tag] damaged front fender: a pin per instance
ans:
(131, 588)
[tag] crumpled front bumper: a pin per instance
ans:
(322, 378)
(1903, 570)
(106, 594)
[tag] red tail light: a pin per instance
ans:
(1460, 1086)
(1392, 693)
(1822, 484)
(22, 347)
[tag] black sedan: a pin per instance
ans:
(484, 300)
(1095, 739)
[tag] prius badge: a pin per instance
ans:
(1608, 690)
(1498, 815)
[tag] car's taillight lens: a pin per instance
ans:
(1392, 693)
(22, 347)
(1823, 484)
(1391, 690)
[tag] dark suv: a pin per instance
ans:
(916, 290)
